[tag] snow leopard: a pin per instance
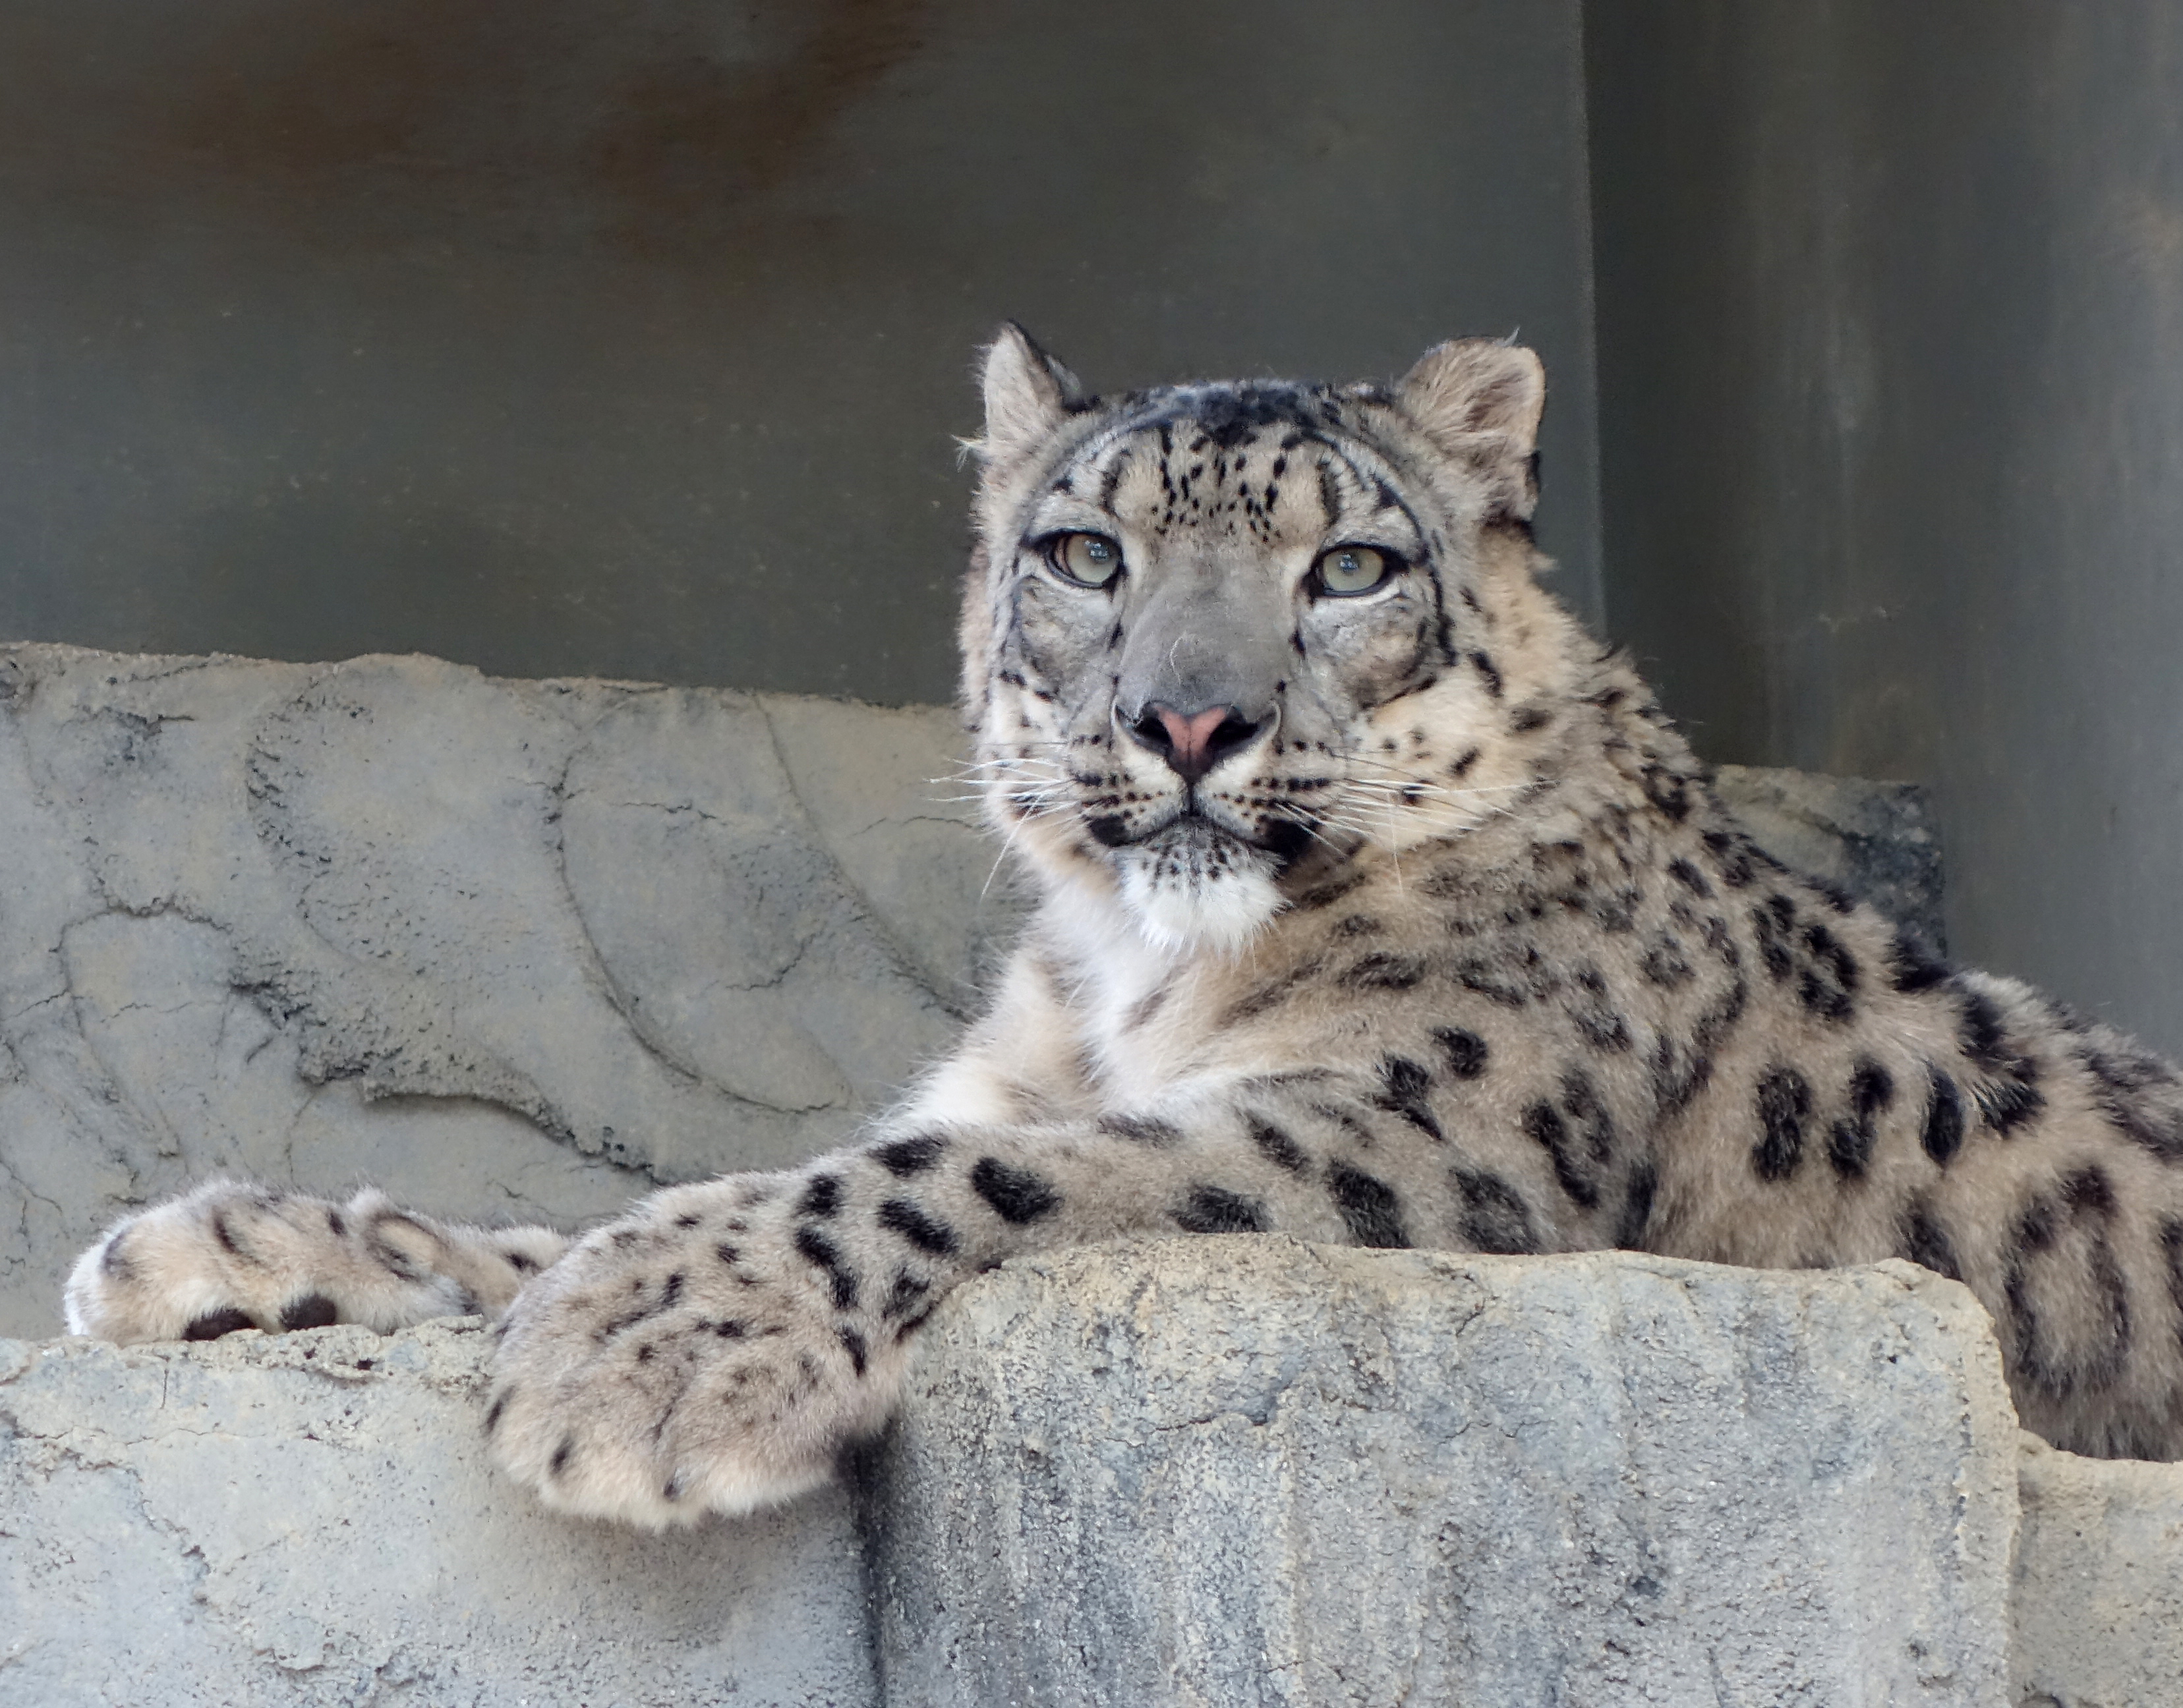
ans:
(1379, 903)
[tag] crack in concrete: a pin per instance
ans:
(898, 952)
(624, 1004)
(11, 1018)
(187, 1549)
(12, 1260)
(627, 1006)
(136, 1007)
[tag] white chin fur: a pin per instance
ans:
(1196, 910)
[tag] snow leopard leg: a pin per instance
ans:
(716, 1349)
(229, 1255)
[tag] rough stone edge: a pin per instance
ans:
(1960, 1340)
(2086, 1625)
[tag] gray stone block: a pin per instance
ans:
(2098, 1602)
(1244, 1470)
(309, 1519)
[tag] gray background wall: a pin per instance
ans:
(559, 337)
(1891, 320)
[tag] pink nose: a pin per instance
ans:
(1191, 739)
(1191, 742)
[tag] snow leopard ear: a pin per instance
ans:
(1027, 395)
(1479, 400)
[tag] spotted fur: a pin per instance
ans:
(1390, 914)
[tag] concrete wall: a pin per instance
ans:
(557, 338)
(1892, 366)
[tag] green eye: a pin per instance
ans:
(1347, 570)
(1091, 560)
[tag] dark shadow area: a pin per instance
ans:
(1890, 317)
(631, 340)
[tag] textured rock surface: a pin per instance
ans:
(2099, 1583)
(309, 1519)
(1250, 1471)
(511, 949)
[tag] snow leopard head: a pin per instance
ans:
(1221, 640)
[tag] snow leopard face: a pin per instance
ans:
(1221, 638)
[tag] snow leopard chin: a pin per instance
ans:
(1199, 893)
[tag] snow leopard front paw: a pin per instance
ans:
(691, 1357)
(231, 1255)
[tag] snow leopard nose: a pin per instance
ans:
(1194, 742)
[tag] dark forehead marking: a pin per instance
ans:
(1224, 416)
(1388, 499)
(1379, 495)
(1117, 465)
(1368, 480)
(1229, 416)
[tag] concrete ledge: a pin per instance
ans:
(1221, 1471)
(1216, 1470)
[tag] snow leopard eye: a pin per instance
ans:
(1090, 560)
(1345, 571)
